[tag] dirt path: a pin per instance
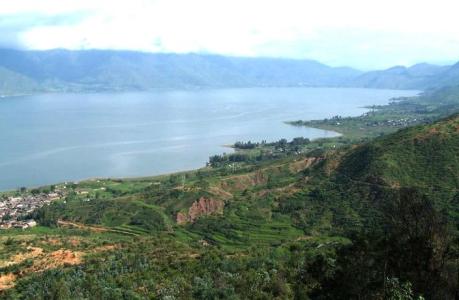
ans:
(82, 226)
(94, 228)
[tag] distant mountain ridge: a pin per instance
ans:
(419, 76)
(23, 72)
(99, 70)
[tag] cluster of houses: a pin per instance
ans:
(404, 122)
(14, 208)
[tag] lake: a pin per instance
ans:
(61, 137)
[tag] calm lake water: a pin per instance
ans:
(59, 137)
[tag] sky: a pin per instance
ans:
(364, 34)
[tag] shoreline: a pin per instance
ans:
(141, 177)
(125, 178)
(196, 88)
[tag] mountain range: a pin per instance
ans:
(23, 72)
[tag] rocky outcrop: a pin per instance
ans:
(202, 207)
(181, 218)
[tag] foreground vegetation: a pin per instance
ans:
(287, 220)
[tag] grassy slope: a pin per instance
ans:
(423, 156)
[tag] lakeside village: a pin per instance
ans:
(14, 209)
(401, 122)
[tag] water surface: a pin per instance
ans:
(59, 137)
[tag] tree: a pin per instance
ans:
(395, 290)
(416, 240)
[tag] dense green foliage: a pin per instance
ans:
(264, 151)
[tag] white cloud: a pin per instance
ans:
(366, 34)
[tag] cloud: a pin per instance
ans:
(12, 26)
(362, 33)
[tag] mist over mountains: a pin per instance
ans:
(109, 70)
(419, 76)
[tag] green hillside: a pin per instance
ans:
(420, 156)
